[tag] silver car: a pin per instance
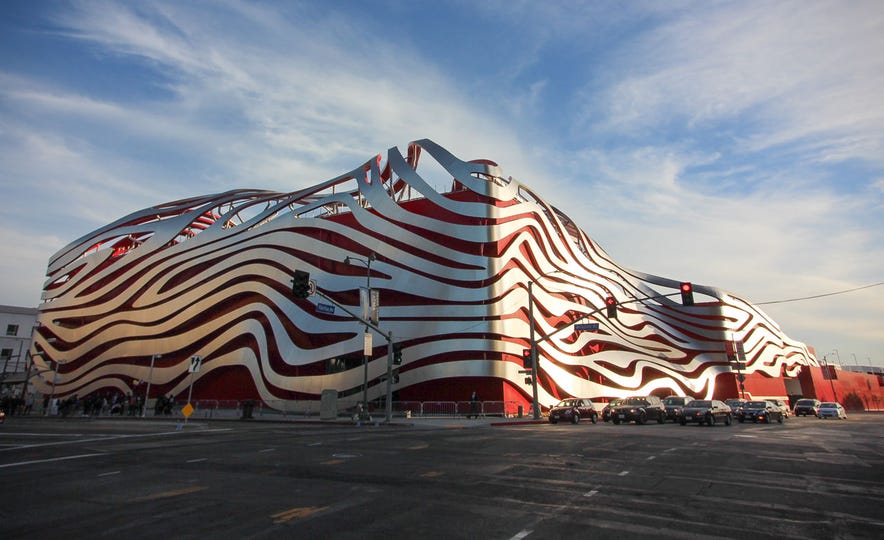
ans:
(832, 409)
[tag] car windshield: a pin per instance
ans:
(699, 404)
(567, 403)
(828, 405)
(755, 405)
(805, 402)
(634, 401)
(734, 402)
(674, 401)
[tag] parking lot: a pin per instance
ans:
(447, 478)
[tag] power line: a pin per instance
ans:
(820, 295)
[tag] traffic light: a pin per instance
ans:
(529, 380)
(397, 354)
(526, 358)
(611, 305)
(395, 376)
(301, 284)
(687, 294)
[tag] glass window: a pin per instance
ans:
(6, 354)
(11, 329)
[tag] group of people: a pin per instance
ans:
(96, 404)
(12, 404)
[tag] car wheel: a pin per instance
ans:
(710, 420)
(662, 418)
(594, 419)
(682, 421)
(642, 419)
(575, 419)
(728, 420)
(616, 421)
(551, 421)
(741, 419)
(781, 419)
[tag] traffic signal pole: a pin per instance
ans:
(388, 413)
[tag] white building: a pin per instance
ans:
(16, 327)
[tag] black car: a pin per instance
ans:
(639, 410)
(674, 406)
(760, 411)
(704, 411)
(572, 410)
(736, 405)
(806, 407)
(606, 412)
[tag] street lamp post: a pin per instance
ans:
(830, 373)
(52, 393)
(367, 262)
(534, 405)
(153, 358)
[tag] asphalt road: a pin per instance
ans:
(448, 479)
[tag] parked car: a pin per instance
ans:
(706, 411)
(783, 407)
(674, 406)
(606, 412)
(832, 409)
(735, 404)
(639, 409)
(760, 411)
(806, 406)
(573, 410)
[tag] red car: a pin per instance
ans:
(573, 410)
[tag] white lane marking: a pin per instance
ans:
(109, 473)
(521, 534)
(670, 450)
(197, 460)
(267, 450)
(622, 473)
(17, 464)
(109, 438)
(649, 458)
(590, 493)
(746, 436)
(315, 444)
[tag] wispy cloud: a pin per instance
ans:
(734, 144)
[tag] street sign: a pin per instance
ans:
(366, 344)
(195, 363)
(311, 288)
(325, 308)
(591, 327)
(187, 410)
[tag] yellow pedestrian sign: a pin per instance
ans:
(187, 410)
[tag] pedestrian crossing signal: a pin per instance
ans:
(301, 284)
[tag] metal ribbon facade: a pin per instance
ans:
(211, 276)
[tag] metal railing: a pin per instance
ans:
(346, 408)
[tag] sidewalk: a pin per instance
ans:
(434, 422)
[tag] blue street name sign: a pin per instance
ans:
(586, 327)
(325, 308)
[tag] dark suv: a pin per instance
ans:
(675, 406)
(639, 410)
(572, 410)
(807, 407)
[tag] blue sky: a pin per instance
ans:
(733, 144)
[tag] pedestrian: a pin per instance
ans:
(474, 405)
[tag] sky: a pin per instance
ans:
(733, 144)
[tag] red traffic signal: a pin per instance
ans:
(687, 294)
(526, 357)
(611, 305)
